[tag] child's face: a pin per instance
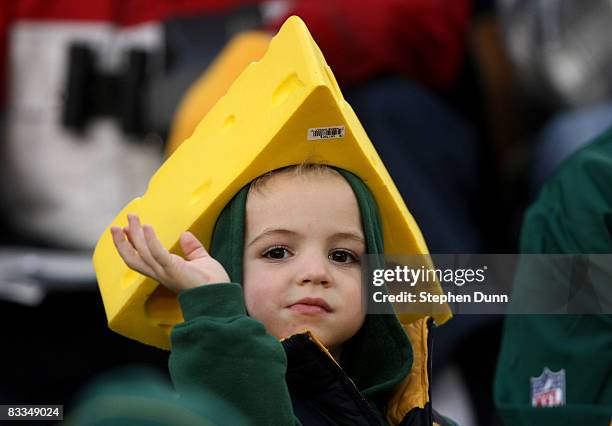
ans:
(302, 248)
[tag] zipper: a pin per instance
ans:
(431, 325)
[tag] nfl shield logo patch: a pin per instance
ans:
(548, 390)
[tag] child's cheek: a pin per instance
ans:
(260, 299)
(260, 307)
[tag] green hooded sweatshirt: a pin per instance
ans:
(220, 348)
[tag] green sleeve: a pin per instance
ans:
(222, 350)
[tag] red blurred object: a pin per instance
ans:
(421, 39)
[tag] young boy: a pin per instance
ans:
(293, 344)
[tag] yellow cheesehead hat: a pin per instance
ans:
(281, 111)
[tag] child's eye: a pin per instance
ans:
(276, 253)
(343, 256)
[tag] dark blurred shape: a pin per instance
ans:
(80, 74)
(134, 83)
(54, 349)
(142, 396)
(91, 92)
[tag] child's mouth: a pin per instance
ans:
(311, 306)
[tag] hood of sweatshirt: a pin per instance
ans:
(379, 356)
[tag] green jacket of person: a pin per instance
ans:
(556, 369)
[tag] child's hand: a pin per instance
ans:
(143, 252)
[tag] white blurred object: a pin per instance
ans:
(561, 48)
(450, 397)
(27, 275)
(59, 186)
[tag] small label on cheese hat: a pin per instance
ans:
(317, 133)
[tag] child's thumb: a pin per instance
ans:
(192, 247)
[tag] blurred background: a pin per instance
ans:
(471, 104)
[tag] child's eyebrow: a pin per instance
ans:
(349, 236)
(271, 232)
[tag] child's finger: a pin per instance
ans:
(192, 247)
(126, 231)
(128, 254)
(139, 243)
(158, 251)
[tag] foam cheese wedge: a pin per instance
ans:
(282, 110)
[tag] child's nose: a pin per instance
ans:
(314, 271)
